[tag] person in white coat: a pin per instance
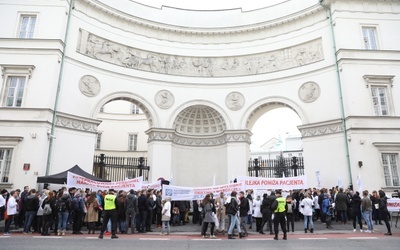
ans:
(257, 212)
(12, 210)
(307, 206)
(166, 216)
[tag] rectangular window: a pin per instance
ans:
(390, 169)
(132, 143)
(14, 91)
(98, 140)
(5, 165)
(27, 26)
(379, 99)
(135, 109)
(369, 36)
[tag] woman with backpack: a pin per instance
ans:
(291, 205)
(48, 206)
(63, 207)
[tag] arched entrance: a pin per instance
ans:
(121, 142)
(276, 148)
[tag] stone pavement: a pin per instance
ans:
(191, 229)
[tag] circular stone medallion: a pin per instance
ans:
(309, 92)
(234, 101)
(89, 86)
(164, 99)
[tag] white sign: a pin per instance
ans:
(393, 204)
(198, 193)
(154, 185)
(74, 180)
(289, 183)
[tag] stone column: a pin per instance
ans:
(159, 153)
(238, 153)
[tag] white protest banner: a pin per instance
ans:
(74, 180)
(178, 193)
(288, 183)
(393, 204)
(154, 185)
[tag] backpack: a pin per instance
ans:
(289, 208)
(62, 206)
(47, 209)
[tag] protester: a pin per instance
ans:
(92, 214)
(244, 207)
(356, 211)
(208, 210)
(307, 205)
(291, 205)
(49, 208)
(63, 208)
(232, 209)
(257, 212)
(131, 210)
(327, 210)
(383, 211)
(221, 212)
(31, 204)
(366, 210)
(166, 216)
(266, 214)
(12, 208)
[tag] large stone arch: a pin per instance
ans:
(144, 105)
(260, 107)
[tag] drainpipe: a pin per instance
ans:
(60, 77)
(339, 83)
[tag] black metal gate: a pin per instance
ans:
(116, 168)
(277, 167)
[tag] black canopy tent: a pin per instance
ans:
(61, 178)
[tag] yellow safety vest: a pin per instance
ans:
(281, 205)
(109, 202)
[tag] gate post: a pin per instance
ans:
(141, 161)
(256, 166)
(102, 156)
(294, 166)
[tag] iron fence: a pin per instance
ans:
(271, 168)
(115, 168)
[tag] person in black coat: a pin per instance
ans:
(143, 207)
(266, 214)
(356, 211)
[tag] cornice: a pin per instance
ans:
(197, 35)
(169, 135)
(322, 128)
(76, 122)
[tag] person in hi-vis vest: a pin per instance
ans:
(110, 212)
(280, 208)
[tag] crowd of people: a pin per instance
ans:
(109, 211)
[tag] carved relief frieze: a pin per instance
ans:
(76, 124)
(321, 129)
(112, 52)
(200, 140)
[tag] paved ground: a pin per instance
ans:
(192, 231)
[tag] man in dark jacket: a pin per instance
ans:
(158, 209)
(31, 205)
(341, 201)
(244, 208)
(143, 207)
(131, 210)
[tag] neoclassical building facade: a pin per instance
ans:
(202, 79)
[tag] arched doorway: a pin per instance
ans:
(276, 148)
(121, 148)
